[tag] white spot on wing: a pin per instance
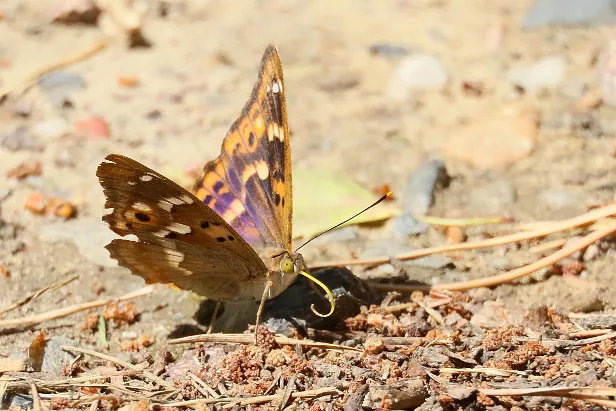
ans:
(179, 228)
(262, 170)
(161, 233)
(174, 200)
(165, 205)
(142, 207)
(146, 178)
(277, 87)
(187, 199)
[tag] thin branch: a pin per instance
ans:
(66, 311)
(512, 275)
(34, 295)
(248, 339)
(32, 78)
(579, 221)
(124, 364)
(256, 400)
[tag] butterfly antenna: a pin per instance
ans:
(386, 196)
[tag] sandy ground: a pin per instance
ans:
(344, 113)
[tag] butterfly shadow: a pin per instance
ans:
(291, 309)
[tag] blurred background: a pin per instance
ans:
(511, 100)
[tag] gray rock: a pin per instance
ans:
(328, 370)
(388, 50)
(570, 12)
(547, 73)
(20, 139)
(421, 72)
(17, 402)
(356, 399)
(403, 394)
(421, 184)
(556, 199)
(418, 197)
(59, 85)
(293, 305)
(329, 382)
(89, 236)
(51, 129)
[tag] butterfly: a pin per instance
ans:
(231, 237)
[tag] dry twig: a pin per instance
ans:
(249, 339)
(66, 311)
(124, 364)
(32, 78)
(34, 295)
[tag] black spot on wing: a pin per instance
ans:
(142, 217)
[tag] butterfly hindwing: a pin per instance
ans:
(249, 183)
(180, 238)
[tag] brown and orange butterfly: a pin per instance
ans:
(231, 237)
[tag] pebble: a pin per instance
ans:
(388, 50)
(93, 127)
(406, 393)
(549, 72)
(498, 139)
(592, 252)
(418, 197)
(89, 236)
(569, 12)
(420, 72)
(51, 129)
(59, 85)
(20, 139)
(557, 199)
(349, 292)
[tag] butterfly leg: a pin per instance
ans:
(266, 291)
(213, 319)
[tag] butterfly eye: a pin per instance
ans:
(287, 266)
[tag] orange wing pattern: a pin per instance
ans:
(249, 183)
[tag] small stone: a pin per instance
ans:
(128, 335)
(128, 81)
(592, 252)
(93, 127)
(328, 370)
(421, 72)
(26, 169)
(89, 235)
(59, 85)
(405, 393)
(349, 292)
(547, 73)
(498, 140)
(569, 12)
(388, 50)
(556, 199)
(20, 139)
(51, 129)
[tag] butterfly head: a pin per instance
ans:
(284, 268)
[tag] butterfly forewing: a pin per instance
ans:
(181, 240)
(249, 183)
